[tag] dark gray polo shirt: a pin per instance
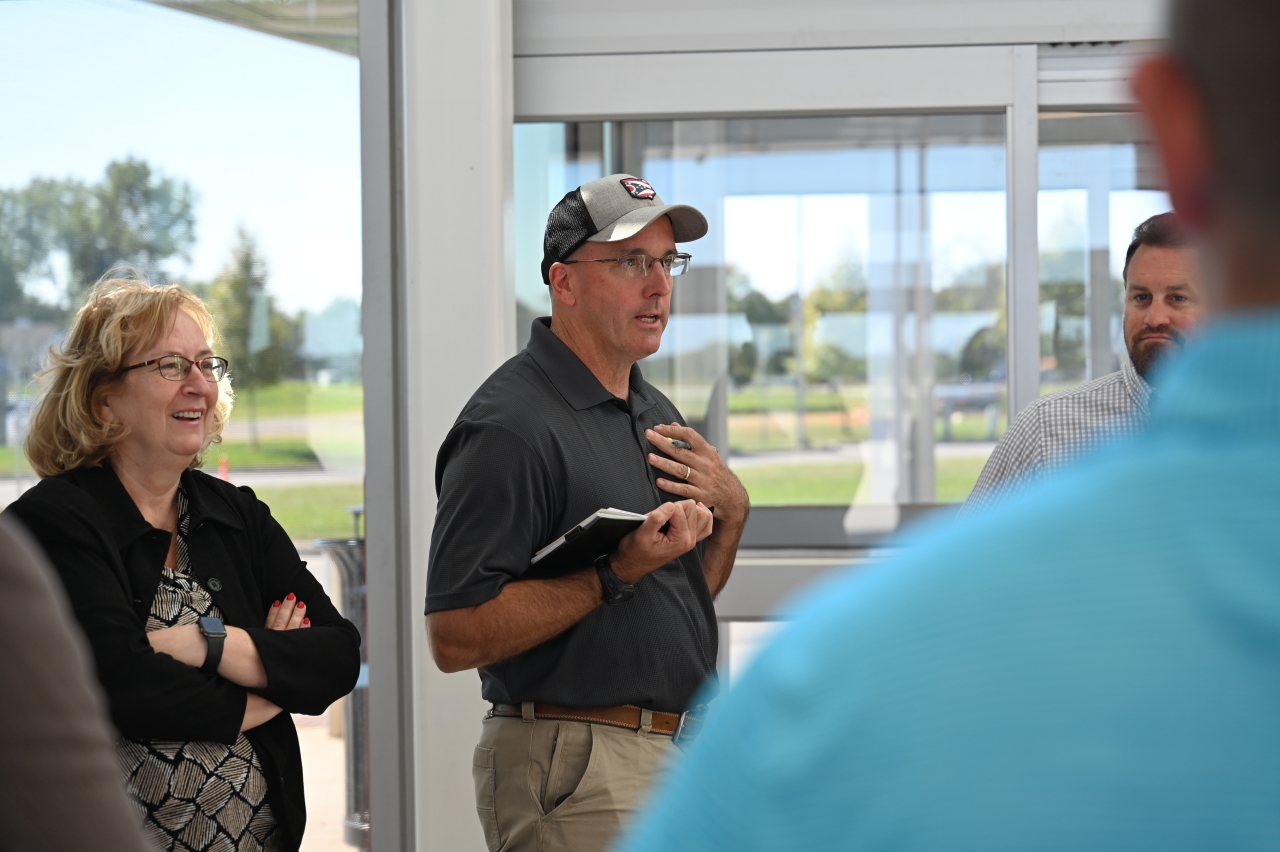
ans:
(540, 446)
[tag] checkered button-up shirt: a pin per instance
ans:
(1056, 428)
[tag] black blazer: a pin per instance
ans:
(110, 559)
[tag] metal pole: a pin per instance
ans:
(1022, 283)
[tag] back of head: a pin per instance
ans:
(122, 313)
(1229, 49)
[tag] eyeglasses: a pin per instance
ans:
(175, 368)
(637, 265)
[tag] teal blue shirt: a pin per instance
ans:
(1094, 664)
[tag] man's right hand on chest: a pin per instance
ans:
(649, 546)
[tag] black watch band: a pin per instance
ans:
(215, 633)
(614, 590)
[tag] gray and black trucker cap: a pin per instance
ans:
(610, 209)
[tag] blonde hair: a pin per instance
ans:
(121, 315)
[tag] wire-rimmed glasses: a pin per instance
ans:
(175, 368)
(637, 265)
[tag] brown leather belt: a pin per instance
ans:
(626, 716)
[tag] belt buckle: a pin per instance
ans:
(689, 726)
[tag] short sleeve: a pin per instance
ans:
(495, 499)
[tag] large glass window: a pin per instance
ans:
(841, 333)
(226, 160)
(1098, 181)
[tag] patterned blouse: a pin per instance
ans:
(196, 796)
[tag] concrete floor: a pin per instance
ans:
(324, 774)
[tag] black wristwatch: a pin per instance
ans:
(615, 591)
(213, 630)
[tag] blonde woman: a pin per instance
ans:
(206, 627)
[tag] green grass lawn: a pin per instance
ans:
(955, 477)
(289, 453)
(7, 459)
(335, 399)
(292, 398)
(313, 511)
(970, 426)
(836, 483)
(801, 484)
(757, 433)
(783, 398)
(280, 453)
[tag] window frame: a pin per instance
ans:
(405, 701)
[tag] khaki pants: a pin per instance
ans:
(552, 786)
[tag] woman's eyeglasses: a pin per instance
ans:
(175, 368)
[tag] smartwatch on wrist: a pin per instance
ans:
(215, 633)
(614, 590)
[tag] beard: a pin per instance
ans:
(1144, 357)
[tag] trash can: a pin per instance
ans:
(348, 556)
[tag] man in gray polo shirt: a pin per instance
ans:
(589, 674)
(1162, 304)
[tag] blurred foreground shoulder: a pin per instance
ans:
(56, 747)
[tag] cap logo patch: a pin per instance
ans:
(638, 188)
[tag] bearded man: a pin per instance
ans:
(1162, 304)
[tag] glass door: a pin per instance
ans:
(841, 333)
(1098, 180)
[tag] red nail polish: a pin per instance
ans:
(289, 596)
(301, 605)
(277, 603)
(306, 621)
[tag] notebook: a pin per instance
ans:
(597, 535)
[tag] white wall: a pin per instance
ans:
(551, 27)
(774, 82)
(460, 326)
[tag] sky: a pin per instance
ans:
(966, 229)
(809, 211)
(266, 131)
(778, 240)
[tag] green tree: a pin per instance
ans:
(759, 309)
(1062, 282)
(978, 288)
(743, 298)
(260, 342)
(831, 362)
(841, 291)
(132, 216)
(983, 355)
(28, 233)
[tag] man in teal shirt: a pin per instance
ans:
(1094, 664)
